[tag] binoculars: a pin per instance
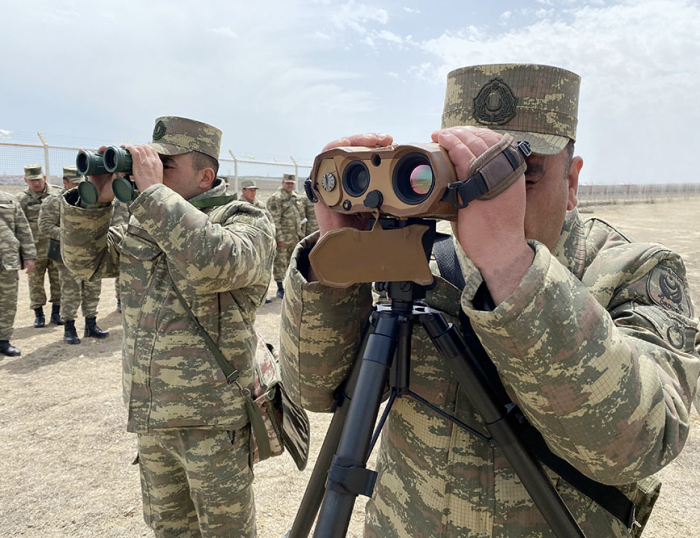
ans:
(399, 180)
(115, 159)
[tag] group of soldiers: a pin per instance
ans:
(30, 239)
(36, 228)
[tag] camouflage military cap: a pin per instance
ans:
(33, 172)
(175, 136)
(248, 184)
(289, 178)
(70, 173)
(537, 103)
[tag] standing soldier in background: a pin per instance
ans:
(249, 191)
(120, 216)
(194, 266)
(30, 200)
(74, 291)
(287, 209)
(16, 252)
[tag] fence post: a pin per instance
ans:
(235, 171)
(296, 173)
(47, 167)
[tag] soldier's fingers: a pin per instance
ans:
(461, 156)
(469, 137)
(366, 139)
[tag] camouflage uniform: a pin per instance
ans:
(595, 345)
(120, 215)
(250, 184)
(31, 204)
(16, 245)
(74, 291)
(311, 224)
(192, 426)
(287, 209)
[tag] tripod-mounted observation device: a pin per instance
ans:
(114, 160)
(402, 190)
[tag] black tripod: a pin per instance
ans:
(351, 435)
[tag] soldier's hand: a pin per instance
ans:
(491, 232)
(103, 183)
(147, 168)
(28, 265)
(332, 220)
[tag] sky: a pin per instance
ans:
(284, 77)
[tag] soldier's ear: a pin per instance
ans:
(205, 178)
(574, 171)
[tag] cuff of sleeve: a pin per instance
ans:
(145, 201)
(91, 218)
(510, 311)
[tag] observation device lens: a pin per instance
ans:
(356, 178)
(413, 178)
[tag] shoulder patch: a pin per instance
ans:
(668, 290)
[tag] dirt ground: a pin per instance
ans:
(65, 459)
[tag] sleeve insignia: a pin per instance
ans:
(668, 291)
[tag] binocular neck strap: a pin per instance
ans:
(491, 173)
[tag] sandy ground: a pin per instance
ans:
(65, 459)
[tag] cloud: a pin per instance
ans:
(4, 133)
(411, 10)
(223, 31)
(356, 16)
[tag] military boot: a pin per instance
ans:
(280, 291)
(39, 320)
(8, 349)
(70, 335)
(56, 315)
(92, 330)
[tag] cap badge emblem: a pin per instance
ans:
(159, 130)
(495, 103)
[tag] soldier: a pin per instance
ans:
(287, 209)
(249, 191)
(17, 252)
(74, 291)
(30, 199)
(193, 265)
(591, 333)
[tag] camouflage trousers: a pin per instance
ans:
(76, 292)
(8, 302)
(37, 294)
(282, 258)
(197, 483)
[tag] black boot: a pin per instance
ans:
(55, 315)
(8, 349)
(70, 336)
(280, 291)
(39, 320)
(119, 306)
(92, 330)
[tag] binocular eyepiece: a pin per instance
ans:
(114, 160)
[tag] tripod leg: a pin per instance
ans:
(348, 470)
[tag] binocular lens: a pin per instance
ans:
(413, 178)
(356, 178)
(81, 162)
(117, 160)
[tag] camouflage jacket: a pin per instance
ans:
(49, 222)
(16, 241)
(596, 345)
(287, 209)
(257, 203)
(31, 205)
(311, 224)
(221, 260)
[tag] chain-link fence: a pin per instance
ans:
(14, 155)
